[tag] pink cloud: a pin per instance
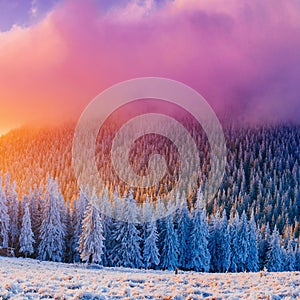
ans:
(243, 57)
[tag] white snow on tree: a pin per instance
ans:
(52, 232)
(252, 259)
(169, 243)
(219, 244)
(243, 243)
(234, 241)
(290, 261)
(4, 219)
(78, 215)
(26, 239)
(200, 256)
(184, 229)
(151, 252)
(127, 250)
(13, 212)
(91, 246)
(274, 254)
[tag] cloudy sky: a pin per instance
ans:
(56, 56)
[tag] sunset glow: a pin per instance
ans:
(144, 143)
(242, 56)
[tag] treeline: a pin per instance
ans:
(44, 226)
(262, 171)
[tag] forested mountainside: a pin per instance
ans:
(262, 171)
(252, 223)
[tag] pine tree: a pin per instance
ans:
(297, 257)
(264, 242)
(274, 255)
(4, 219)
(91, 246)
(26, 239)
(234, 241)
(243, 243)
(290, 257)
(184, 229)
(219, 243)
(107, 233)
(110, 227)
(252, 259)
(70, 232)
(78, 215)
(151, 253)
(169, 250)
(224, 245)
(36, 207)
(200, 256)
(13, 211)
(52, 232)
(214, 243)
(127, 251)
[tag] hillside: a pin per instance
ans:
(262, 172)
(31, 279)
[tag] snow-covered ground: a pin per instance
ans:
(31, 279)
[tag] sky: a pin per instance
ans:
(57, 55)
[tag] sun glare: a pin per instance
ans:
(4, 131)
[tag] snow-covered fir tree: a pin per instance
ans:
(52, 231)
(219, 244)
(127, 250)
(214, 243)
(169, 250)
(77, 218)
(225, 250)
(70, 233)
(149, 236)
(26, 239)
(252, 263)
(200, 256)
(274, 254)
(184, 230)
(243, 243)
(150, 250)
(13, 212)
(107, 226)
(290, 257)
(4, 219)
(91, 246)
(263, 245)
(36, 205)
(234, 242)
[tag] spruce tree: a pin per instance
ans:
(127, 251)
(184, 229)
(52, 232)
(252, 259)
(150, 253)
(243, 243)
(234, 241)
(290, 257)
(91, 246)
(77, 218)
(13, 211)
(26, 239)
(4, 219)
(214, 243)
(169, 243)
(200, 256)
(225, 250)
(274, 255)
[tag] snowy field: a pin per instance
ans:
(30, 279)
